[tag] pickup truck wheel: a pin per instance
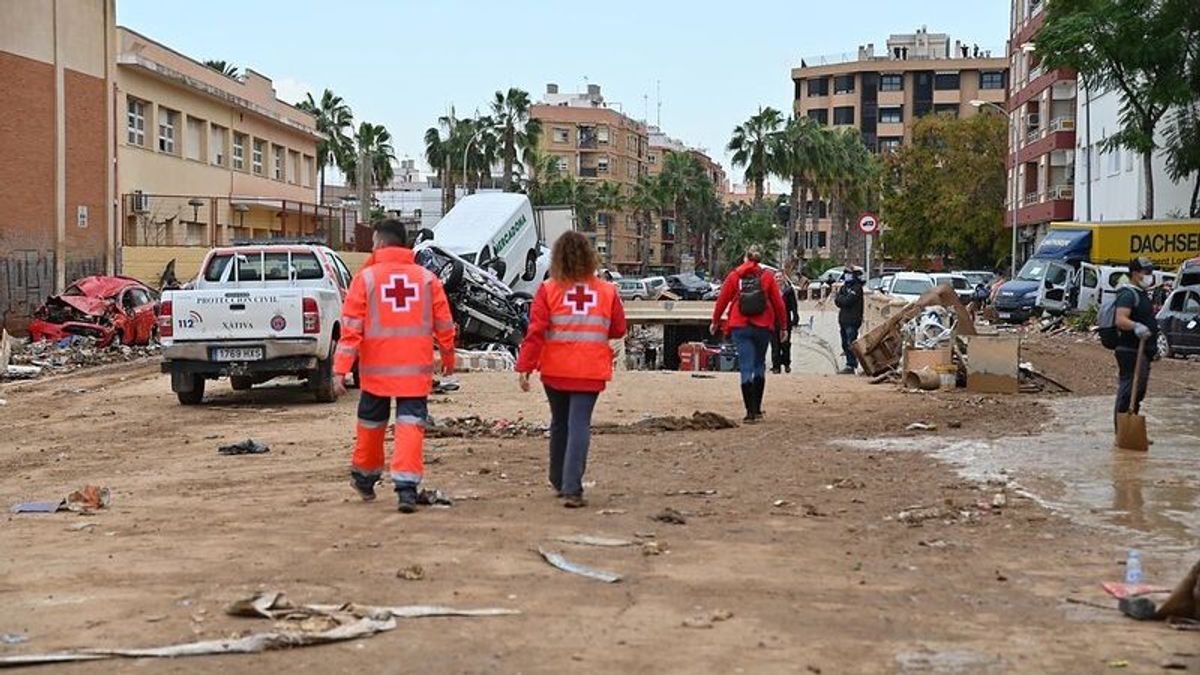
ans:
(240, 382)
(196, 395)
(321, 381)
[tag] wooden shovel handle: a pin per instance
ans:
(1137, 376)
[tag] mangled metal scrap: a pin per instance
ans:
(880, 349)
(106, 309)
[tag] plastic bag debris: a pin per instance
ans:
(84, 500)
(305, 625)
(557, 560)
(246, 447)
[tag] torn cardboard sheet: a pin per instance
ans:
(565, 565)
(301, 626)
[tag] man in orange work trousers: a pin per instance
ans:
(394, 311)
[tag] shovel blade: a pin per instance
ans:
(1131, 432)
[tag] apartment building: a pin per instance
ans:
(204, 158)
(56, 135)
(595, 142)
(663, 250)
(1111, 185)
(883, 94)
(1042, 134)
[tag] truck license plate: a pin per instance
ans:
(1004, 315)
(237, 354)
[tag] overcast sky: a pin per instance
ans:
(404, 63)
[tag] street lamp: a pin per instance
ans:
(979, 104)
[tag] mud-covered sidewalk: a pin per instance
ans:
(798, 553)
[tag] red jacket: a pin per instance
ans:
(774, 318)
(535, 340)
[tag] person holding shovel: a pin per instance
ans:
(1138, 331)
(574, 315)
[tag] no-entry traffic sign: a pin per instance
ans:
(868, 223)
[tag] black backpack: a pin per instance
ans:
(752, 300)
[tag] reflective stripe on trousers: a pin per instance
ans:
(407, 464)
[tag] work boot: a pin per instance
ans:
(748, 401)
(407, 498)
(574, 501)
(760, 385)
(363, 484)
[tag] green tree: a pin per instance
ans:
(747, 225)
(648, 202)
(944, 192)
(1136, 47)
(752, 145)
(1183, 134)
(854, 188)
(226, 69)
(480, 149)
(517, 131)
(610, 201)
(334, 122)
(541, 170)
(373, 143)
(805, 153)
(443, 144)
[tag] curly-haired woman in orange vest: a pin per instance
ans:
(573, 316)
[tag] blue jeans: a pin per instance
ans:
(570, 436)
(849, 335)
(752, 343)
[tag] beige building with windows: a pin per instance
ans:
(883, 94)
(662, 249)
(596, 143)
(203, 158)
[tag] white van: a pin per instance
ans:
(497, 232)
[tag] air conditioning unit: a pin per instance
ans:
(141, 202)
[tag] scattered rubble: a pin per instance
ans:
(411, 573)
(474, 426)
(34, 359)
(84, 500)
(670, 516)
(707, 620)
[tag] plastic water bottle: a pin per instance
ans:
(1133, 567)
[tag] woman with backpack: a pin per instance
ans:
(756, 311)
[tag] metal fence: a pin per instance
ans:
(192, 220)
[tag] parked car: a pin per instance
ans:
(1179, 323)
(874, 283)
(109, 309)
(831, 275)
(910, 285)
(1188, 273)
(634, 289)
(979, 277)
(254, 313)
(885, 283)
(656, 285)
(688, 286)
(963, 288)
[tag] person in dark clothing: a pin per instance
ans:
(1135, 321)
(781, 345)
(849, 301)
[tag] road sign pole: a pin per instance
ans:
(868, 265)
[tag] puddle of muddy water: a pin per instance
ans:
(1151, 499)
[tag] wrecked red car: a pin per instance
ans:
(109, 309)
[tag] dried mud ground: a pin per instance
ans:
(828, 580)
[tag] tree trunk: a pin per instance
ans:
(793, 216)
(1195, 210)
(1148, 168)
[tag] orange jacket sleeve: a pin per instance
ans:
(443, 325)
(354, 314)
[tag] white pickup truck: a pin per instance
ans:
(254, 313)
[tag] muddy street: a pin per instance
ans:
(804, 544)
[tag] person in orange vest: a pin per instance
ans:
(393, 314)
(574, 315)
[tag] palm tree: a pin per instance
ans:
(373, 143)
(609, 201)
(515, 130)
(442, 144)
(334, 122)
(481, 146)
(646, 200)
(849, 186)
(541, 170)
(752, 146)
(804, 153)
(226, 69)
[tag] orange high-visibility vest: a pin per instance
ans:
(577, 338)
(392, 314)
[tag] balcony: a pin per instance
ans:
(1063, 191)
(588, 172)
(1031, 198)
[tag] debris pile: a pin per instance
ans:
(34, 359)
(474, 426)
(699, 421)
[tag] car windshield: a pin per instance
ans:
(629, 285)
(957, 283)
(977, 278)
(1033, 270)
(911, 286)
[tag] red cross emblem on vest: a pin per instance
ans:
(399, 292)
(580, 299)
